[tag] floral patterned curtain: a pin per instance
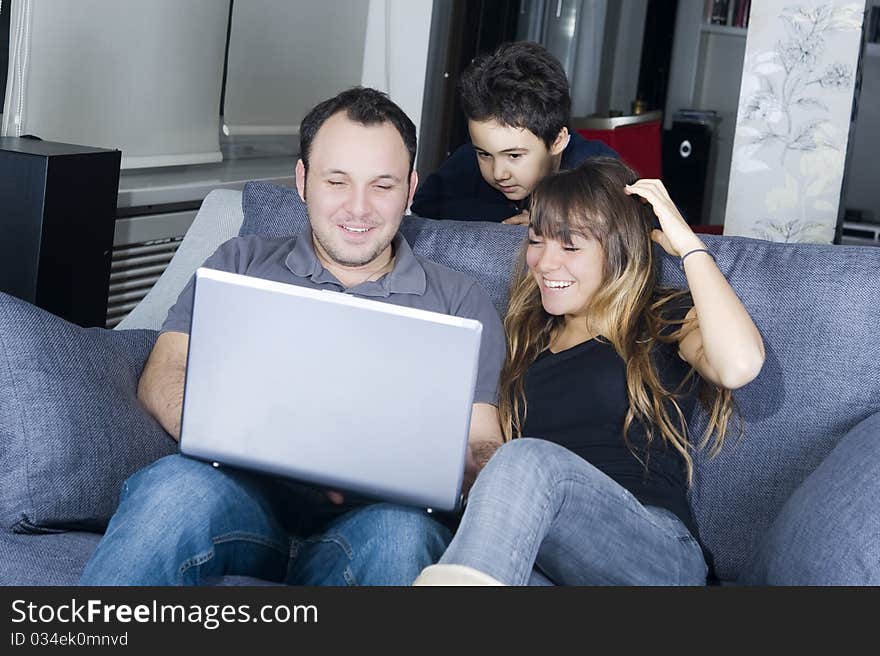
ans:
(793, 121)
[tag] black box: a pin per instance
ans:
(689, 152)
(57, 218)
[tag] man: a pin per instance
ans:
(518, 107)
(180, 520)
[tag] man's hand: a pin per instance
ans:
(477, 456)
(484, 439)
(520, 219)
(335, 497)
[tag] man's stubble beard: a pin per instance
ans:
(339, 259)
(335, 256)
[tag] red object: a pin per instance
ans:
(635, 138)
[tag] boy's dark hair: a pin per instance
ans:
(362, 105)
(520, 85)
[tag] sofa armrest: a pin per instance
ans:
(826, 533)
(218, 220)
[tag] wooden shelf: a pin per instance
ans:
(711, 28)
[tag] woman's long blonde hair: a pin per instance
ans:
(627, 310)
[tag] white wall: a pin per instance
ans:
(717, 87)
(628, 54)
(396, 51)
(685, 58)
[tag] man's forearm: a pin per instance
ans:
(161, 392)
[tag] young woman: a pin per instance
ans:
(603, 367)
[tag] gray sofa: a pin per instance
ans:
(794, 500)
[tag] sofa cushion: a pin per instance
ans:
(485, 251)
(71, 427)
(60, 558)
(271, 211)
(56, 559)
(827, 531)
(816, 307)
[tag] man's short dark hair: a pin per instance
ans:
(520, 85)
(362, 105)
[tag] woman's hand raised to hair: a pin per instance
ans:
(725, 347)
(675, 235)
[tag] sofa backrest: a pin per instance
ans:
(219, 219)
(818, 310)
(816, 306)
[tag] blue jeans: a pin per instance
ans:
(182, 521)
(538, 505)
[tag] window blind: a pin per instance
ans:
(285, 57)
(143, 77)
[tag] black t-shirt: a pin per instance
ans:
(577, 398)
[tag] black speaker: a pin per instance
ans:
(688, 164)
(57, 216)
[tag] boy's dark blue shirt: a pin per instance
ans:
(458, 191)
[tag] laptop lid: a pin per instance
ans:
(330, 389)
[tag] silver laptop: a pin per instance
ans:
(329, 389)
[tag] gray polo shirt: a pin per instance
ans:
(414, 282)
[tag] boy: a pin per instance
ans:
(518, 108)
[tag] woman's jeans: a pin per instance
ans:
(537, 504)
(182, 521)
